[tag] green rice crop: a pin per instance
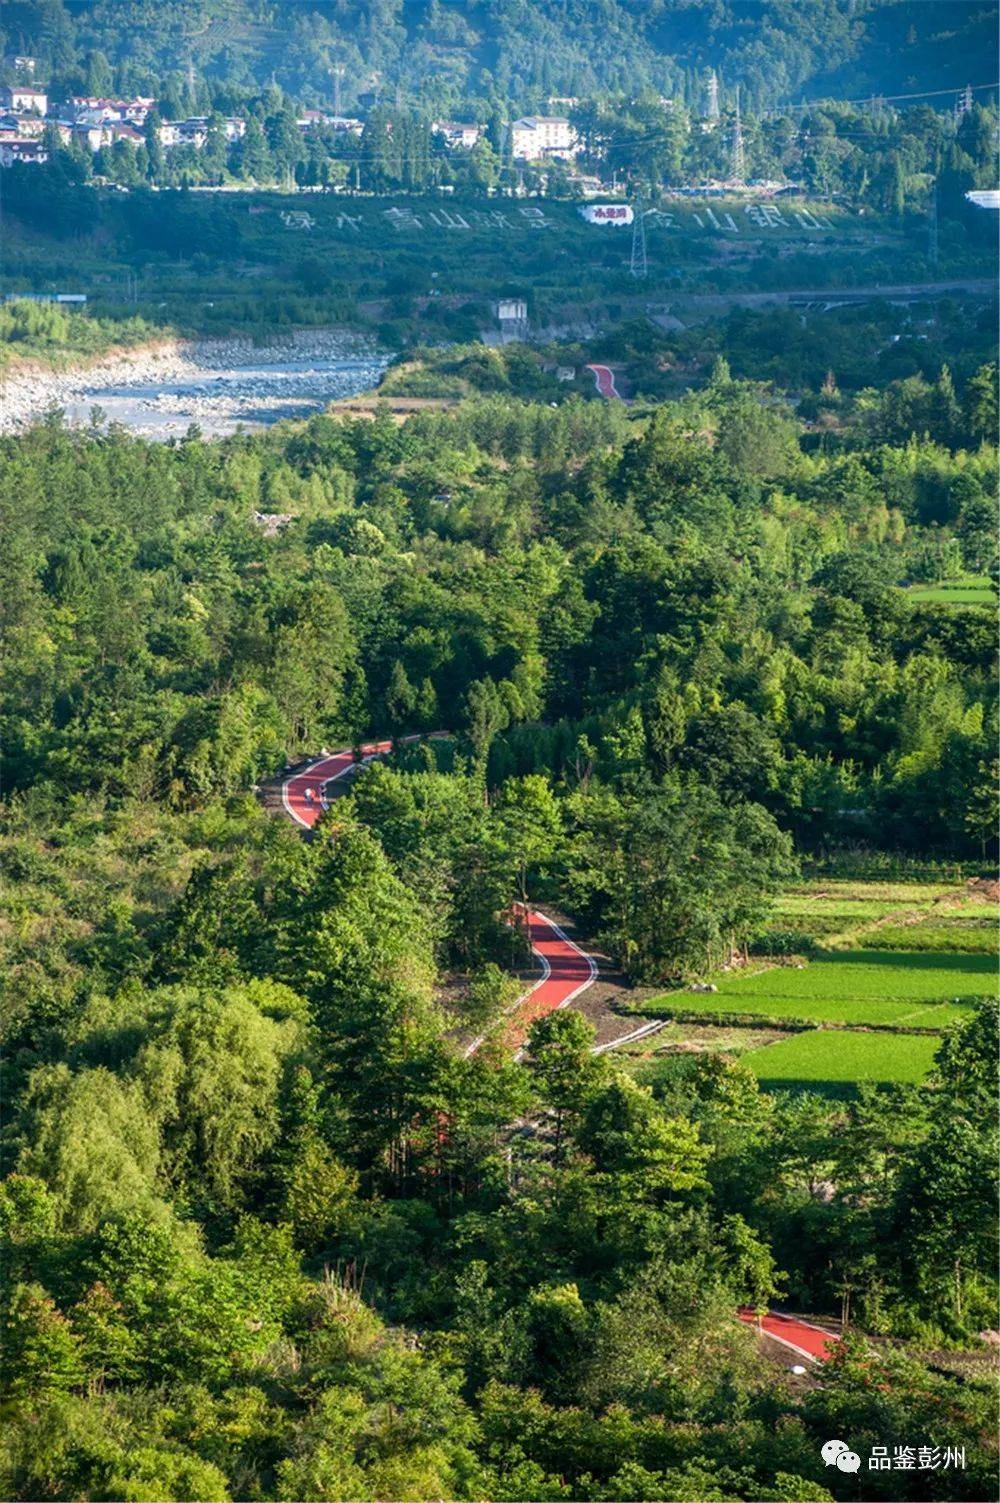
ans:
(969, 589)
(924, 990)
(838, 1057)
(823, 890)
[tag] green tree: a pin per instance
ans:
(566, 1073)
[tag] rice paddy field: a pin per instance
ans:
(843, 1058)
(885, 969)
(970, 589)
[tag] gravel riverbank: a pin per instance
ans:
(216, 383)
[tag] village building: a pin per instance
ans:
(18, 150)
(121, 130)
(93, 137)
(24, 97)
(90, 109)
(456, 134)
(29, 127)
(537, 137)
(317, 119)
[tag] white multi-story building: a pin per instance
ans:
(94, 136)
(316, 119)
(535, 137)
(96, 115)
(17, 150)
(26, 126)
(24, 97)
(89, 109)
(456, 133)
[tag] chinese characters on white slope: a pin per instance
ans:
(406, 219)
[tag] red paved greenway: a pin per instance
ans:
(604, 379)
(303, 793)
(567, 971)
(809, 1341)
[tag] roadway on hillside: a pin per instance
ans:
(890, 291)
(304, 792)
(604, 380)
(567, 972)
(808, 1341)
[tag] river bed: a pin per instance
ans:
(219, 385)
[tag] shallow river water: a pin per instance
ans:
(218, 385)
(219, 401)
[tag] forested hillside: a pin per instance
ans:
(269, 1232)
(439, 53)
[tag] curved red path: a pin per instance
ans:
(302, 793)
(811, 1342)
(567, 971)
(604, 379)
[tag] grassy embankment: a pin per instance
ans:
(427, 267)
(47, 334)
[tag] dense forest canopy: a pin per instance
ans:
(302, 1201)
(269, 1234)
(703, 578)
(513, 51)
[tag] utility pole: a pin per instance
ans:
(712, 108)
(739, 159)
(638, 265)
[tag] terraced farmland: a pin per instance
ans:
(858, 986)
(896, 958)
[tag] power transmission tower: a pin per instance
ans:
(739, 166)
(932, 239)
(337, 71)
(639, 266)
(963, 104)
(712, 107)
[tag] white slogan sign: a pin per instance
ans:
(614, 215)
